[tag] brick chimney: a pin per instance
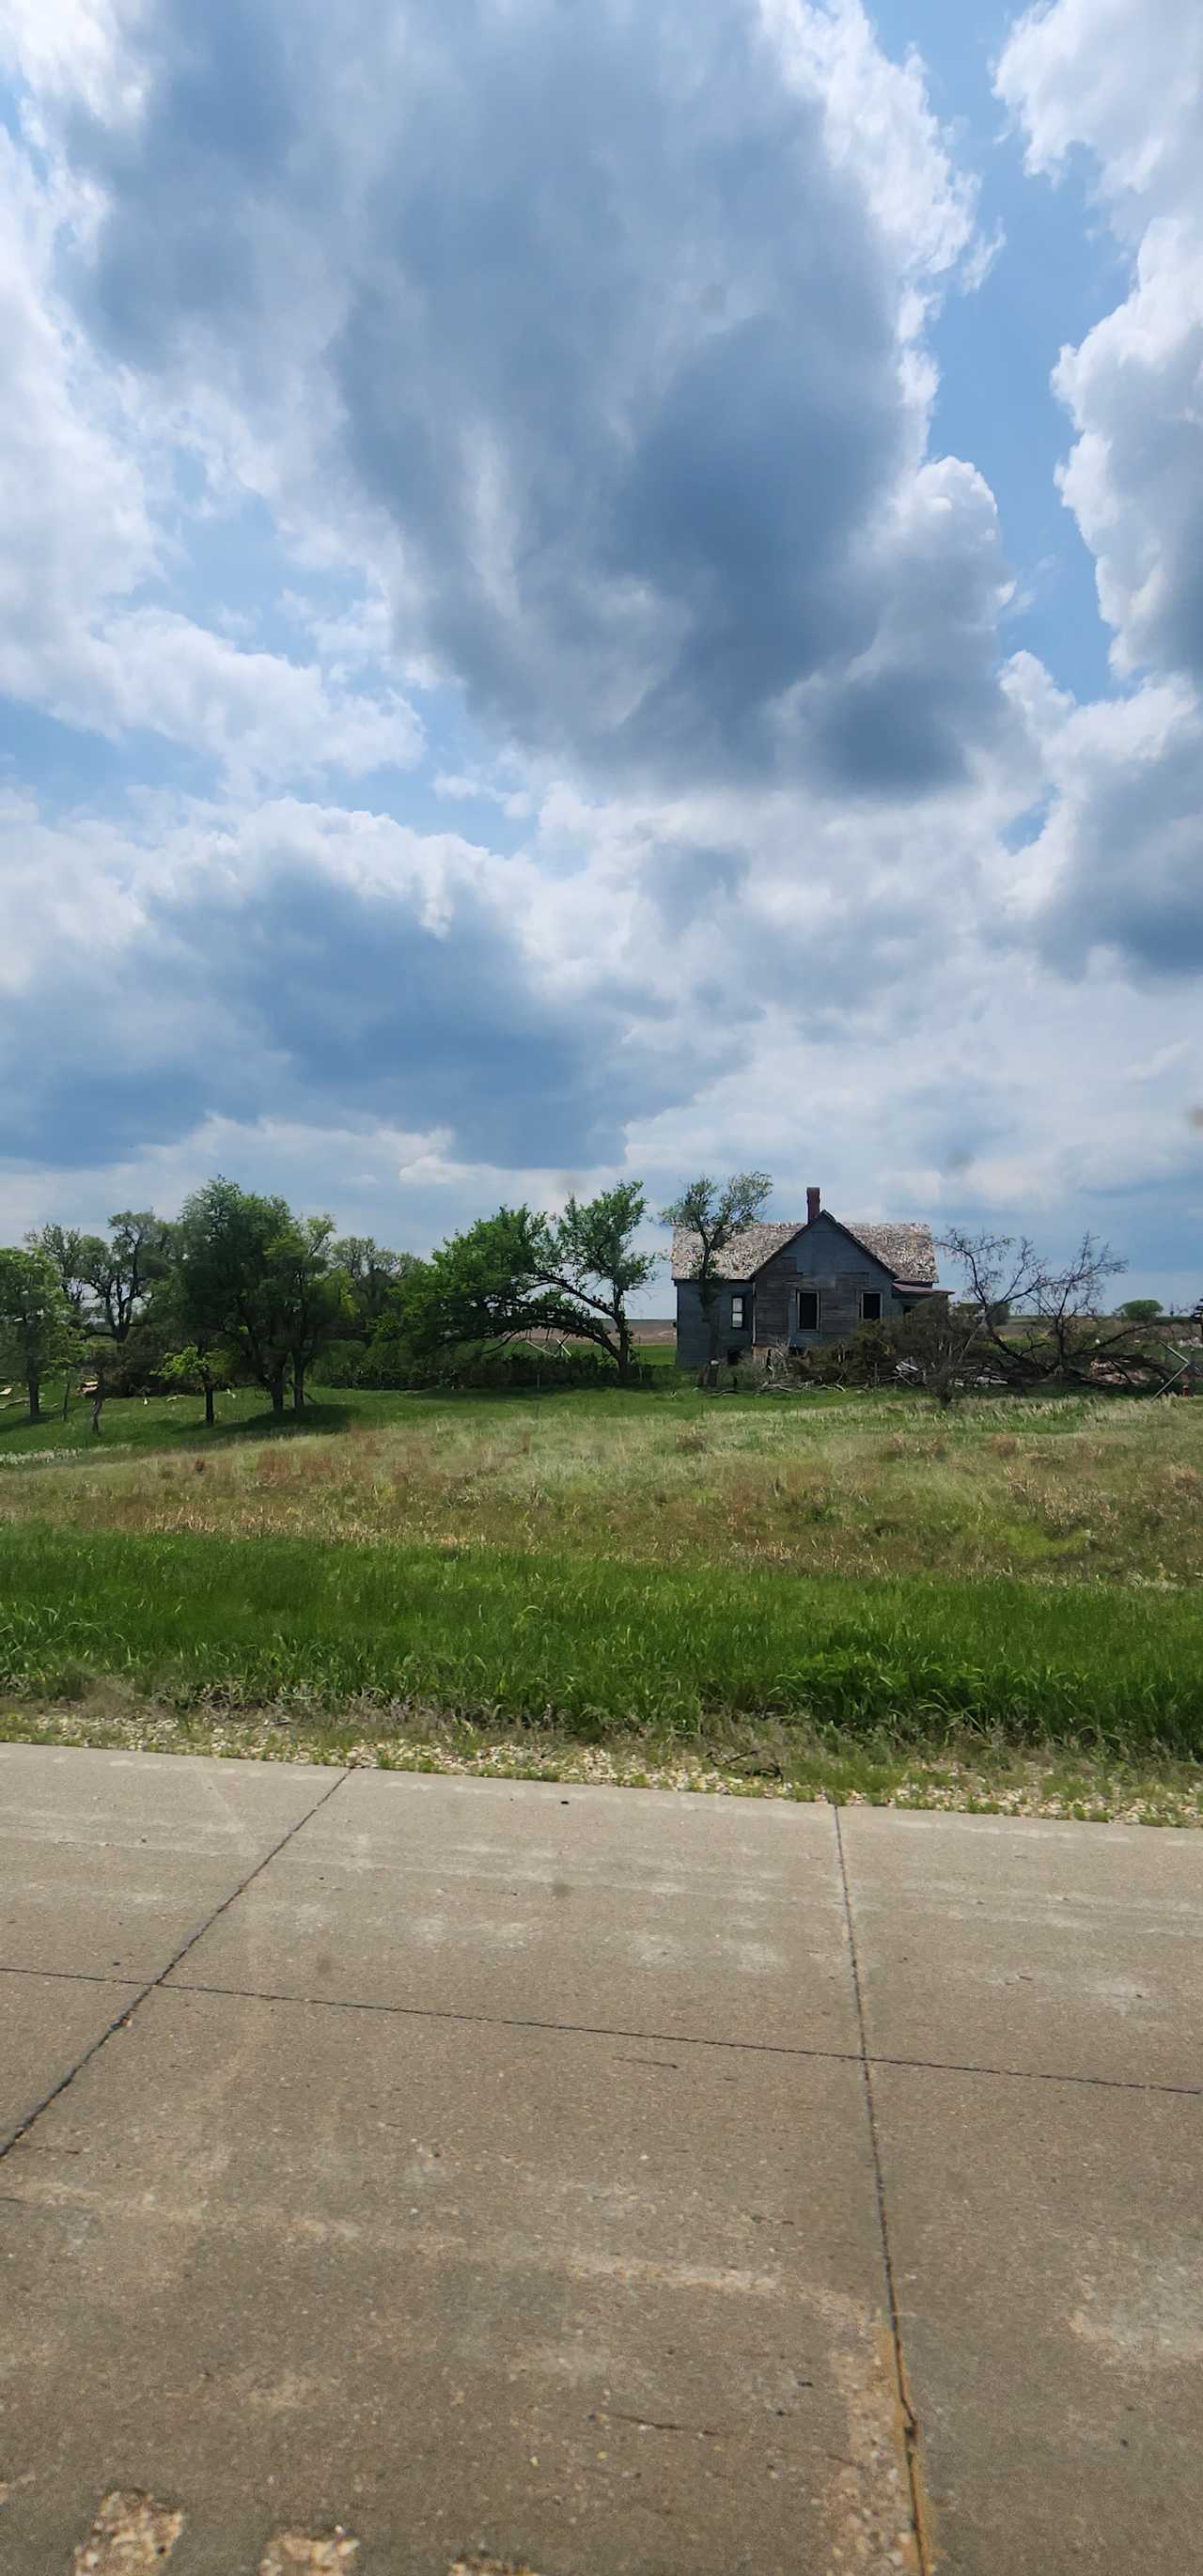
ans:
(813, 1203)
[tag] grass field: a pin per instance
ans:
(671, 1563)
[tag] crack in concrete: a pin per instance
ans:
(679, 2039)
(907, 2420)
(123, 2019)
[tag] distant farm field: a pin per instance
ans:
(607, 1560)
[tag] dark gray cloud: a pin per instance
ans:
(614, 338)
(222, 120)
(299, 996)
(1128, 846)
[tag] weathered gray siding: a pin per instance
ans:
(693, 1339)
(820, 1256)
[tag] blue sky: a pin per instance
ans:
(600, 592)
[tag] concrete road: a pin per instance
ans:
(613, 2183)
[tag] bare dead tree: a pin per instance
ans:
(941, 1347)
(1040, 1325)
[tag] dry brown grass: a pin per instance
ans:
(1065, 1493)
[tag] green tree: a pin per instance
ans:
(256, 1278)
(371, 1273)
(520, 1272)
(713, 1215)
(74, 1255)
(122, 1270)
(38, 1333)
(1141, 1310)
(196, 1371)
(311, 1303)
(480, 1286)
(594, 1265)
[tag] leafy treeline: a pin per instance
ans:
(239, 1289)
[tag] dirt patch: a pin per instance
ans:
(301, 2553)
(490, 2567)
(129, 2534)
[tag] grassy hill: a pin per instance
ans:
(607, 1561)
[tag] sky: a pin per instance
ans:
(591, 591)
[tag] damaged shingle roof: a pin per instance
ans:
(746, 1252)
(905, 1250)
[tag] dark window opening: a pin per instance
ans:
(739, 1314)
(870, 1306)
(808, 1310)
(734, 1358)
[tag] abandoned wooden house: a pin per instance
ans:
(795, 1287)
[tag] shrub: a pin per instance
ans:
(489, 1367)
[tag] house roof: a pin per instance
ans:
(746, 1252)
(905, 1250)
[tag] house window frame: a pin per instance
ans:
(876, 1294)
(741, 1298)
(817, 1326)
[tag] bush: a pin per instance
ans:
(342, 1363)
(132, 1367)
(867, 1357)
(489, 1368)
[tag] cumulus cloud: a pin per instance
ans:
(1135, 392)
(1126, 89)
(1119, 861)
(1095, 77)
(613, 319)
(86, 634)
(588, 351)
(294, 957)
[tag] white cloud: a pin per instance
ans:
(1135, 391)
(84, 477)
(258, 716)
(1123, 84)
(1163, 1060)
(589, 351)
(1117, 863)
(1125, 87)
(878, 118)
(632, 424)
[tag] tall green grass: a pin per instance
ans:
(594, 1644)
(164, 1422)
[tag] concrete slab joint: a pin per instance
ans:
(629, 2185)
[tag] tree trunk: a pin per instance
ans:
(708, 1377)
(209, 1403)
(34, 1391)
(298, 1386)
(624, 1353)
(275, 1388)
(66, 1392)
(97, 1401)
